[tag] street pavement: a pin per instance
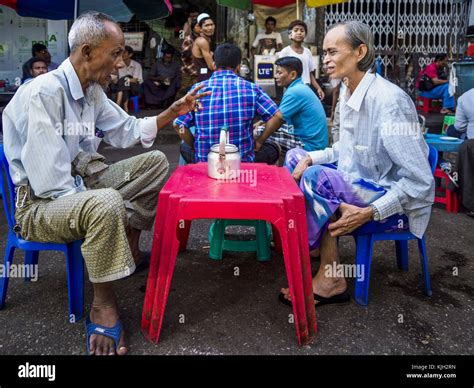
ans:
(211, 311)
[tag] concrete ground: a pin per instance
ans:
(228, 314)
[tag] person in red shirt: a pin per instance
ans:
(470, 50)
(470, 40)
(435, 85)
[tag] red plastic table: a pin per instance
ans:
(261, 192)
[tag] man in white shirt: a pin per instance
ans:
(267, 42)
(64, 191)
(130, 77)
(463, 128)
(382, 158)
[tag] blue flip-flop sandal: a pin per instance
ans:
(112, 332)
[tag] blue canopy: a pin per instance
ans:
(121, 10)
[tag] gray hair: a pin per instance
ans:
(88, 28)
(358, 33)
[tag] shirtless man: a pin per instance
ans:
(202, 55)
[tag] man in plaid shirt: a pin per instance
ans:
(233, 103)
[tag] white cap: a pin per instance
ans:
(202, 16)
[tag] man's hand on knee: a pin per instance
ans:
(351, 218)
(301, 167)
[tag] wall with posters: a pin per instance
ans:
(18, 34)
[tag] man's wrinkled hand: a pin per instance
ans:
(301, 167)
(189, 102)
(352, 217)
(258, 145)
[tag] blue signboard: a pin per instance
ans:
(265, 71)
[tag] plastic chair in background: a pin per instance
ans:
(428, 104)
(450, 198)
(260, 245)
(393, 228)
(72, 250)
(378, 66)
(134, 102)
(448, 120)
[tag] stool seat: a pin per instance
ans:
(450, 199)
(427, 104)
(260, 245)
(134, 102)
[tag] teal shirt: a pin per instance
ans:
(302, 109)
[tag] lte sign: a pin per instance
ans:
(265, 71)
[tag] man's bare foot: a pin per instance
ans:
(446, 111)
(322, 286)
(100, 345)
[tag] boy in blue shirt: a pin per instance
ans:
(304, 114)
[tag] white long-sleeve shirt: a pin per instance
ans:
(380, 140)
(50, 120)
(465, 114)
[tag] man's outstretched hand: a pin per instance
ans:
(189, 102)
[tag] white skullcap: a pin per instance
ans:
(202, 16)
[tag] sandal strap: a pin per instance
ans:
(111, 332)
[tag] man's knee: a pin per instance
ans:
(157, 160)
(312, 172)
(108, 203)
(294, 156)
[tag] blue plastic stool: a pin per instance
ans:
(260, 245)
(134, 101)
(72, 251)
(389, 229)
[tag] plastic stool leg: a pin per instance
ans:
(165, 273)
(426, 105)
(183, 234)
(364, 245)
(75, 280)
(452, 201)
(294, 271)
(9, 251)
(276, 239)
(402, 254)
(216, 239)
(134, 100)
(262, 236)
(31, 259)
(424, 266)
(455, 202)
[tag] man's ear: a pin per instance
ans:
(362, 51)
(237, 69)
(293, 75)
(86, 51)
